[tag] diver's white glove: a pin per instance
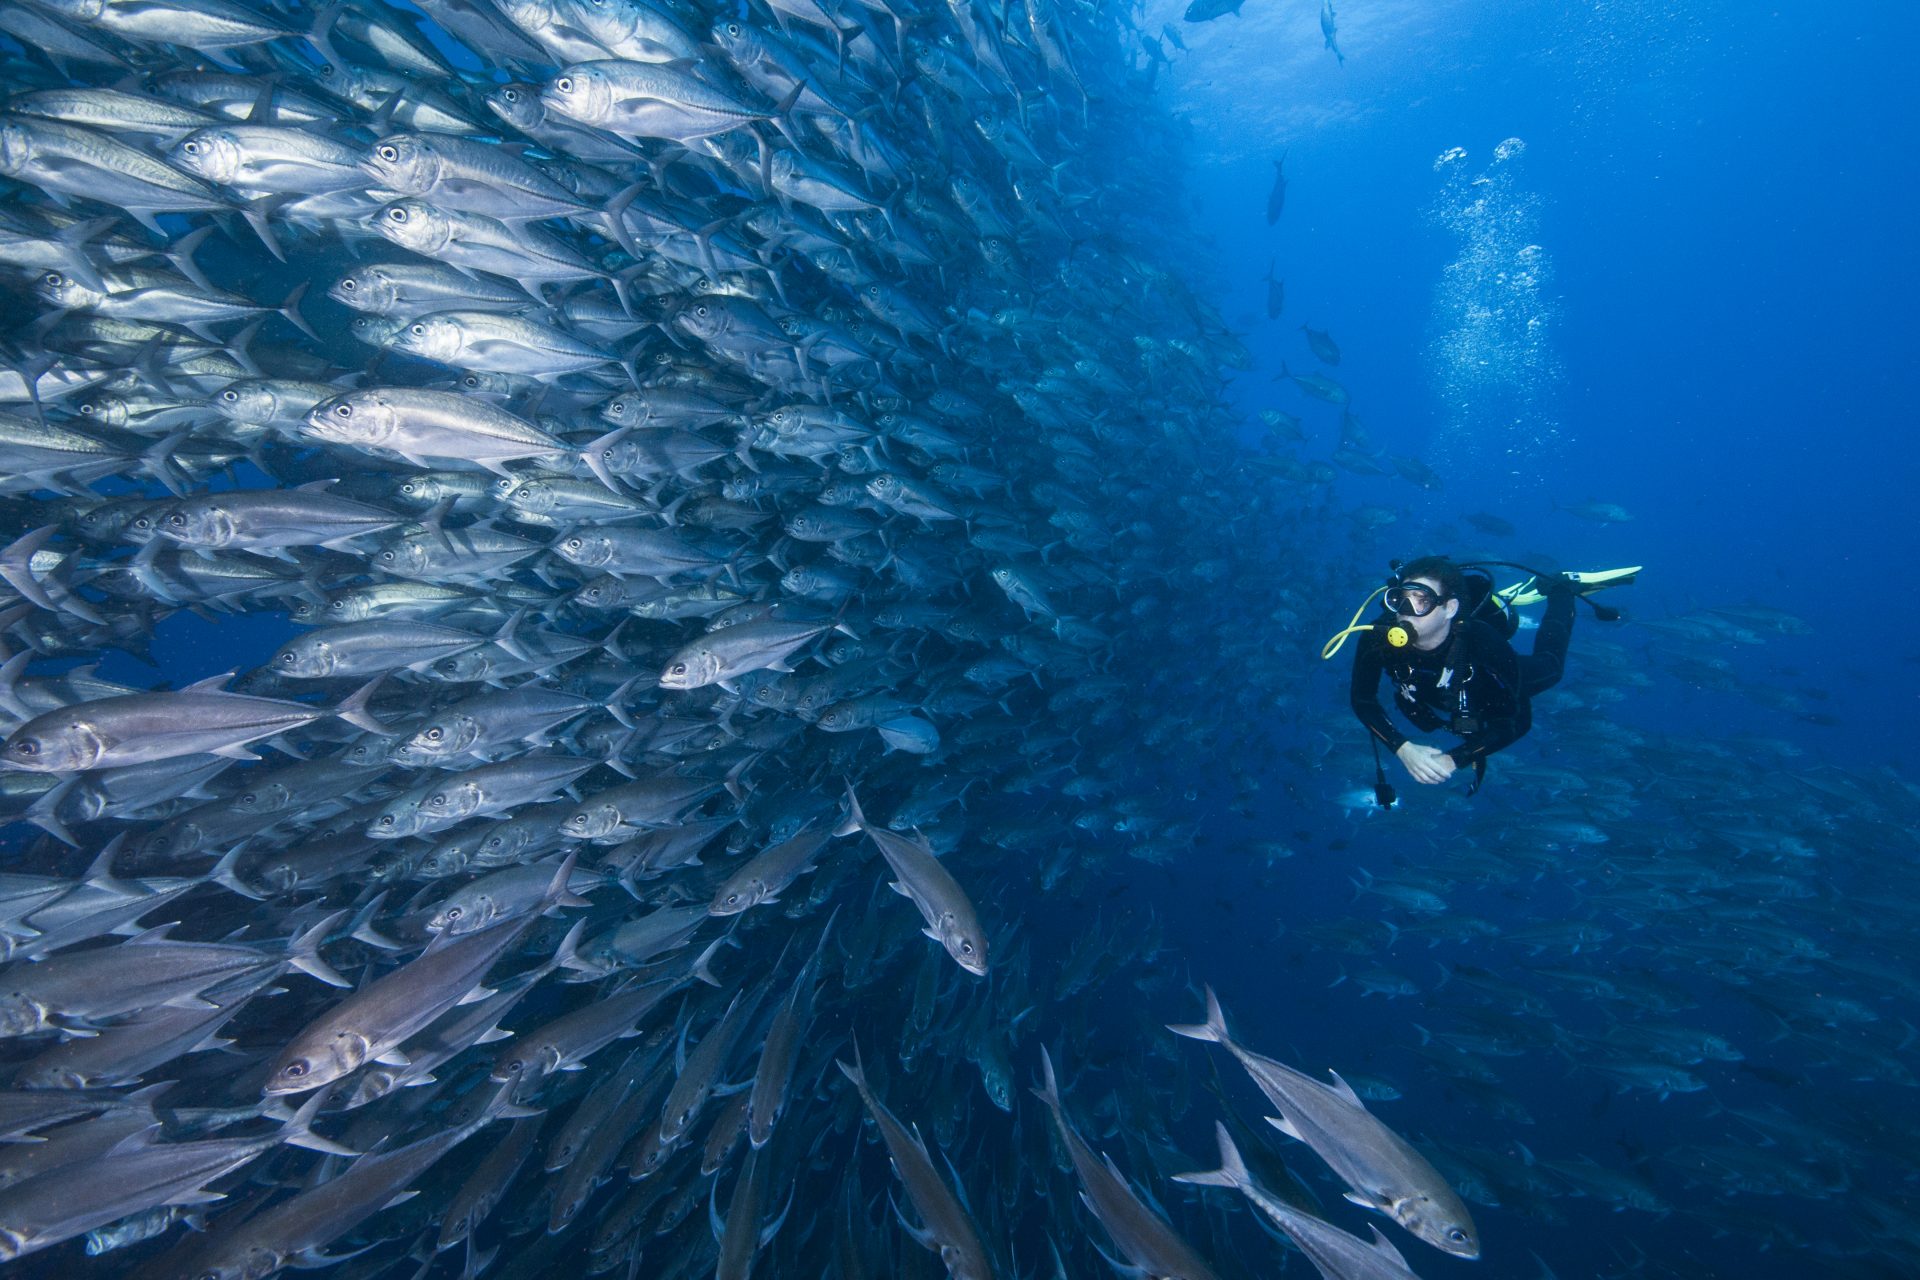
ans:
(1426, 764)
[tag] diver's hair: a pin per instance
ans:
(1441, 570)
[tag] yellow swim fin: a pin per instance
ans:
(1523, 593)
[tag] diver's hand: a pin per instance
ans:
(1426, 764)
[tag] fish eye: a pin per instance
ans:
(230, 396)
(1457, 1235)
(53, 280)
(343, 410)
(564, 84)
(417, 330)
(677, 669)
(191, 148)
(434, 735)
(348, 285)
(967, 947)
(388, 153)
(386, 819)
(453, 913)
(509, 95)
(89, 409)
(733, 28)
(178, 520)
(397, 215)
(295, 1069)
(26, 748)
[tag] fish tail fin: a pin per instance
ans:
(16, 566)
(290, 308)
(100, 874)
(1049, 1090)
(856, 820)
(223, 873)
(1214, 1029)
(299, 1131)
(303, 952)
(10, 673)
(1232, 1171)
(857, 1072)
(361, 927)
(557, 894)
(354, 709)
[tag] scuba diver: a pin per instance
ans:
(1444, 643)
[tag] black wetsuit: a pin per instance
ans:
(1472, 682)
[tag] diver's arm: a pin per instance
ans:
(1364, 695)
(1502, 709)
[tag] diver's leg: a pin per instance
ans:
(1542, 669)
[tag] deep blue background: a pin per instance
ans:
(1726, 197)
(1725, 193)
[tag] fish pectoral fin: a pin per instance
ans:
(478, 993)
(1285, 1126)
(1365, 1202)
(394, 1058)
(234, 753)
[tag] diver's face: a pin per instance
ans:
(1430, 628)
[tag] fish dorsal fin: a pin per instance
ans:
(152, 937)
(1384, 1247)
(214, 684)
(137, 1140)
(1345, 1090)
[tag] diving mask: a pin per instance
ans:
(1413, 599)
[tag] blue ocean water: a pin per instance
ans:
(1725, 317)
(1682, 289)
